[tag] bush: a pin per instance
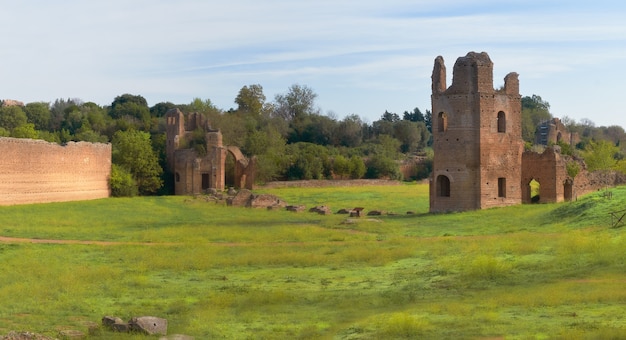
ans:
(122, 182)
(383, 167)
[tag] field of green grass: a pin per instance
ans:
(541, 271)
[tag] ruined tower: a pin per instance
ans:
(477, 138)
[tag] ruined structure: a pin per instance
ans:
(479, 160)
(199, 164)
(476, 137)
(553, 131)
(36, 171)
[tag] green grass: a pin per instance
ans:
(539, 271)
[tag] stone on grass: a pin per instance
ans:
(150, 325)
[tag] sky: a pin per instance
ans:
(360, 57)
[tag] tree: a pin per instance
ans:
(132, 108)
(122, 182)
(428, 120)
(12, 117)
(415, 116)
(298, 102)
(349, 131)
(132, 150)
(600, 155)
(38, 114)
(25, 131)
(251, 100)
(160, 109)
(534, 111)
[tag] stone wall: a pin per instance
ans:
(36, 171)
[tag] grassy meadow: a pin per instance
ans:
(541, 271)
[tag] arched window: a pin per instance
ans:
(442, 121)
(501, 122)
(443, 186)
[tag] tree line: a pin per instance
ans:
(290, 136)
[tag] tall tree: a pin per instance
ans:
(251, 100)
(415, 116)
(38, 114)
(298, 102)
(133, 151)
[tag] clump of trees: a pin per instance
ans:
(290, 136)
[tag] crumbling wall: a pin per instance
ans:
(549, 168)
(36, 171)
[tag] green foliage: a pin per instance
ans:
(573, 168)
(132, 109)
(132, 150)
(38, 114)
(600, 155)
(357, 167)
(122, 182)
(534, 111)
(380, 166)
(297, 103)
(308, 161)
(12, 117)
(251, 100)
(25, 131)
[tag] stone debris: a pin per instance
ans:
(321, 209)
(150, 325)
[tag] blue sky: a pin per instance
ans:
(360, 57)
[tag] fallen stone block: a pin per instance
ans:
(150, 325)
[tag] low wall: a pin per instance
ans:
(36, 171)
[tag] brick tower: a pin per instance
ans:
(477, 137)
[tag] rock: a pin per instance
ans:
(71, 334)
(231, 191)
(265, 200)
(24, 336)
(121, 327)
(296, 208)
(111, 320)
(177, 337)
(343, 211)
(375, 213)
(321, 209)
(241, 199)
(150, 325)
(410, 212)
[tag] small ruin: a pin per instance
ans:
(197, 158)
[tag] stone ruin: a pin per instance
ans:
(479, 160)
(196, 171)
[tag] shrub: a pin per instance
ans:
(122, 182)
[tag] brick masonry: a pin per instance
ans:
(36, 171)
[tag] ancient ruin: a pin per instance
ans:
(197, 158)
(479, 161)
(477, 138)
(553, 131)
(36, 171)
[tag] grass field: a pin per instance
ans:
(547, 271)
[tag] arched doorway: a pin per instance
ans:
(443, 186)
(534, 188)
(229, 171)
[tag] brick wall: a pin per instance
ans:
(35, 171)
